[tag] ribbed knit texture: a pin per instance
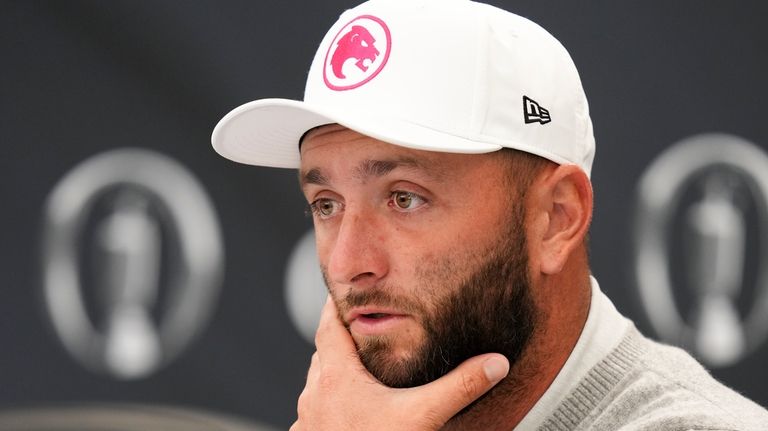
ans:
(644, 385)
(594, 387)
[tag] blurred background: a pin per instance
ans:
(140, 267)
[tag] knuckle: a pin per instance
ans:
(471, 386)
(322, 332)
(314, 365)
(302, 401)
(302, 405)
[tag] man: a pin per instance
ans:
(444, 148)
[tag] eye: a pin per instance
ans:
(406, 200)
(325, 208)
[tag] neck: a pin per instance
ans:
(563, 308)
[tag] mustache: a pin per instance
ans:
(378, 297)
(357, 298)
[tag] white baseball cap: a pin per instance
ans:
(438, 75)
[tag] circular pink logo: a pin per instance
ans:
(357, 53)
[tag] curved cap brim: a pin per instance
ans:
(267, 132)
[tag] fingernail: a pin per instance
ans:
(495, 368)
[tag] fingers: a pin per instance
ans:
(332, 339)
(340, 394)
(314, 369)
(463, 385)
(303, 406)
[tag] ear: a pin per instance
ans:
(563, 203)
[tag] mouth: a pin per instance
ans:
(374, 321)
(370, 312)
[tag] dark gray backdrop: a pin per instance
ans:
(78, 78)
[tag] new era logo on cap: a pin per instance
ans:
(533, 112)
(357, 53)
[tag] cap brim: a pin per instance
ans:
(267, 132)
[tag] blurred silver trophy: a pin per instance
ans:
(709, 191)
(124, 208)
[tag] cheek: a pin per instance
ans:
(438, 275)
(323, 244)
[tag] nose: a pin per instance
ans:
(358, 252)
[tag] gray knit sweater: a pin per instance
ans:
(644, 385)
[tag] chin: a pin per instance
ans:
(392, 363)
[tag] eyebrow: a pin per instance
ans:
(379, 168)
(313, 176)
(371, 168)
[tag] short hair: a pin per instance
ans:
(521, 168)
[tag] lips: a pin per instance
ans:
(370, 312)
(374, 321)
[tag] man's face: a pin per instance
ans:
(424, 253)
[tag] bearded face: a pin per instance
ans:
(424, 253)
(488, 309)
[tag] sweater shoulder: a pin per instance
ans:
(645, 385)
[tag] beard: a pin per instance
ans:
(489, 310)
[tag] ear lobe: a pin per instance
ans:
(569, 193)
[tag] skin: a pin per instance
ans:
(454, 206)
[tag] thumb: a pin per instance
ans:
(449, 394)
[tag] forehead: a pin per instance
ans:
(336, 139)
(336, 148)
